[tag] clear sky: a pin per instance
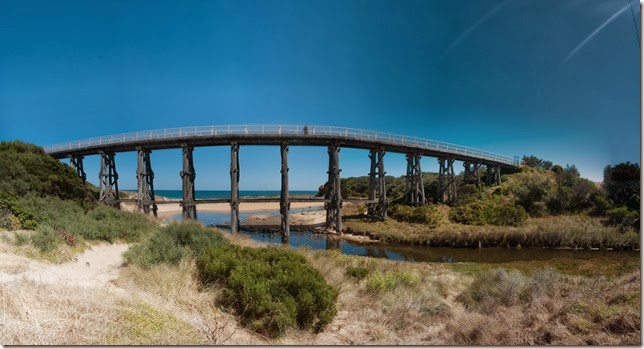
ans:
(559, 79)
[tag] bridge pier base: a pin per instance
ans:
(334, 207)
(377, 185)
(76, 162)
(145, 180)
(108, 178)
(493, 175)
(415, 188)
(285, 204)
(471, 173)
(446, 180)
(234, 187)
(188, 205)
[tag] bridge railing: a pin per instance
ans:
(286, 130)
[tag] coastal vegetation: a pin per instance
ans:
(183, 283)
(540, 205)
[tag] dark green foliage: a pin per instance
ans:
(10, 205)
(427, 214)
(355, 187)
(271, 289)
(357, 271)
(174, 242)
(530, 189)
(621, 182)
(624, 218)
(27, 169)
(535, 162)
(471, 213)
(599, 203)
(508, 215)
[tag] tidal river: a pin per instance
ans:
(408, 252)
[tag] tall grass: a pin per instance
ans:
(554, 232)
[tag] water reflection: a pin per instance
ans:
(407, 252)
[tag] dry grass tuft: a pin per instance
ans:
(37, 314)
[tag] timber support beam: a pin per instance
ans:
(415, 188)
(188, 175)
(285, 204)
(76, 162)
(334, 207)
(108, 178)
(446, 180)
(493, 175)
(471, 173)
(234, 187)
(377, 185)
(145, 183)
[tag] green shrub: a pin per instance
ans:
(45, 239)
(357, 272)
(471, 213)
(174, 242)
(27, 169)
(21, 239)
(427, 214)
(623, 218)
(508, 215)
(101, 223)
(488, 211)
(271, 289)
(13, 215)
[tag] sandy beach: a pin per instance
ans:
(167, 210)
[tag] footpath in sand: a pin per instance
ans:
(95, 267)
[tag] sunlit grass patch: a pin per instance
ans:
(140, 323)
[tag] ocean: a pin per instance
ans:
(223, 194)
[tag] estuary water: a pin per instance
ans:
(414, 253)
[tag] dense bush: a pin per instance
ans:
(622, 181)
(271, 289)
(101, 223)
(624, 218)
(488, 211)
(13, 215)
(508, 215)
(27, 169)
(471, 213)
(530, 188)
(427, 214)
(173, 242)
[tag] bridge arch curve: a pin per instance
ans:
(186, 138)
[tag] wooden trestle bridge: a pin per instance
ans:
(334, 138)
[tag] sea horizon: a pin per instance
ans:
(219, 194)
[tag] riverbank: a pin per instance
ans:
(575, 232)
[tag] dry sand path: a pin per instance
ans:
(95, 267)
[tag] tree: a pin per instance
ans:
(622, 183)
(532, 161)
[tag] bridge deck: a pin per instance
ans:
(275, 135)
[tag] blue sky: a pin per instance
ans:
(555, 78)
